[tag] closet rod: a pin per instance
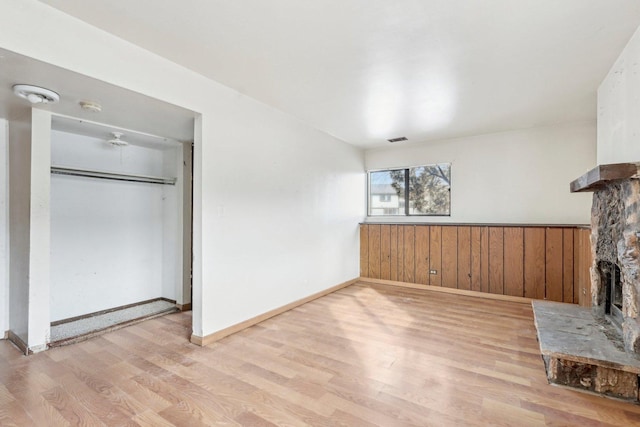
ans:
(59, 170)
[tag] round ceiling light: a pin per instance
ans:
(35, 94)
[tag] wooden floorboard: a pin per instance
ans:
(366, 355)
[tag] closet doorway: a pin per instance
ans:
(120, 227)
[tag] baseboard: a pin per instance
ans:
(18, 342)
(184, 307)
(476, 294)
(211, 338)
(109, 310)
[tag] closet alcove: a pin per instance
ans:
(117, 227)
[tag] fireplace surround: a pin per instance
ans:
(615, 228)
(597, 349)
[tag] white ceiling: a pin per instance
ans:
(135, 114)
(368, 70)
(105, 132)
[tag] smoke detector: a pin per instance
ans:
(116, 141)
(35, 94)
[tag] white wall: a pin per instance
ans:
(72, 150)
(40, 230)
(29, 163)
(107, 237)
(184, 296)
(4, 229)
(19, 223)
(518, 176)
(619, 108)
(276, 203)
(284, 207)
(172, 221)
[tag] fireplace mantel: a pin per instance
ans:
(602, 175)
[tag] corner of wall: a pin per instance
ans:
(618, 108)
(4, 229)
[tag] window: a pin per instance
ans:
(427, 189)
(386, 193)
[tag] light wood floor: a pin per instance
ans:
(363, 356)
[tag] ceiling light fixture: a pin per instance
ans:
(91, 106)
(36, 94)
(116, 141)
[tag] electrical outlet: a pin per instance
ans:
(433, 271)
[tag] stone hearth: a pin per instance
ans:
(584, 352)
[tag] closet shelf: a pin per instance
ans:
(61, 170)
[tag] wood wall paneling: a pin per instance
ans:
(514, 261)
(464, 258)
(364, 250)
(586, 263)
(484, 259)
(422, 254)
(449, 260)
(582, 266)
(475, 260)
(385, 252)
(534, 262)
(374, 251)
(409, 254)
(567, 265)
(577, 274)
(496, 260)
(393, 258)
(531, 261)
(553, 264)
(401, 229)
(435, 251)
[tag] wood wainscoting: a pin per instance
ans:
(531, 261)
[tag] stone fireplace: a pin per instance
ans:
(598, 349)
(615, 228)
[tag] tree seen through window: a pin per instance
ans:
(427, 188)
